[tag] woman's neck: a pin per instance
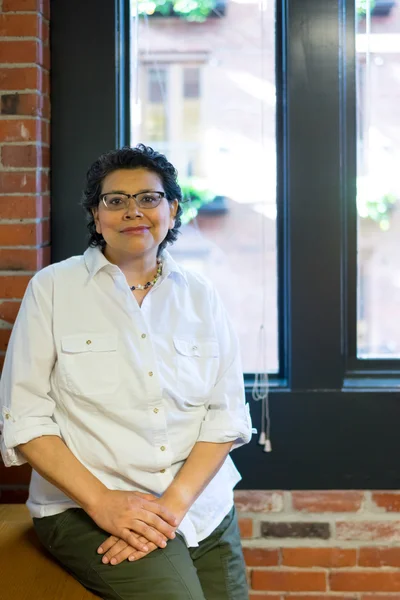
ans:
(137, 269)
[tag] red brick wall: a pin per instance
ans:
(24, 151)
(321, 545)
(298, 545)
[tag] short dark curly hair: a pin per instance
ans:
(140, 156)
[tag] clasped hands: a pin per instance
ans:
(139, 523)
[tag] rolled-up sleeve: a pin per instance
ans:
(26, 406)
(228, 416)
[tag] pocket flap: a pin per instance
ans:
(196, 347)
(90, 342)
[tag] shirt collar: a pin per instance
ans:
(95, 261)
(171, 267)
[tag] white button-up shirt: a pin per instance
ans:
(129, 389)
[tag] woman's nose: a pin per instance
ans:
(133, 210)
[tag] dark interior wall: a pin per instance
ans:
(326, 440)
(84, 98)
(322, 437)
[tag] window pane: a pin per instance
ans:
(191, 82)
(204, 94)
(378, 182)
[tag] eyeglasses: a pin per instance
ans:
(117, 201)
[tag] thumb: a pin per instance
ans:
(150, 497)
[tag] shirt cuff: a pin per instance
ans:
(220, 428)
(21, 432)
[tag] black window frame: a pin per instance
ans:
(334, 416)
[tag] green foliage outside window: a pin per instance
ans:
(377, 209)
(361, 6)
(195, 195)
(191, 10)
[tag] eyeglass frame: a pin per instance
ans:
(129, 196)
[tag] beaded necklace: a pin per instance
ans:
(153, 281)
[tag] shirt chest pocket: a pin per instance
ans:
(88, 363)
(196, 365)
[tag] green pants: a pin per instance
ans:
(215, 570)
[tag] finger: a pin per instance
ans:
(116, 549)
(137, 555)
(149, 497)
(151, 534)
(123, 555)
(163, 512)
(157, 523)
(107, 544)
(131, 538)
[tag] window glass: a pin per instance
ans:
(213, 115)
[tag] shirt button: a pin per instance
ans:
(162, 448)
(150, 373)
(155, 410)
(88, 342)
(194, 348)
(7, 416)
(162, 471)
(143, 335)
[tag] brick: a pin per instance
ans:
(288, 581)
(25, 156)
(42, 6)
(28, 104)
(24, 207)
(2, 357)
(14, 496)
(15, 475)
(379, 597)
(44, 31)
(24, 78)
(29, 259)
(261, 557)
(9, 311)
(21, 51)
(45, 57)
(45, 89)
(25, 234)
(388, 500)
(319, 557)
(321, 597)
(379, 557)
(14, 25)
(317, 502)
(13, 286)
(4, 339)
(295, 530)
(258, 501)
(265, 597)
(365, 531)
(24, 130)
(365, 581)
(246, 528)
(24, 182)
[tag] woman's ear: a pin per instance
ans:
(173, 207)
(95, 213)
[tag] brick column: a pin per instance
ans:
(24, 152)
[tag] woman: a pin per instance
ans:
(123, 388)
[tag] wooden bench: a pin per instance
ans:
(27, 571)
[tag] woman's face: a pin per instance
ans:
(134, 230)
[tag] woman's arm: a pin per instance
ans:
(117, 512)
(202, 464)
